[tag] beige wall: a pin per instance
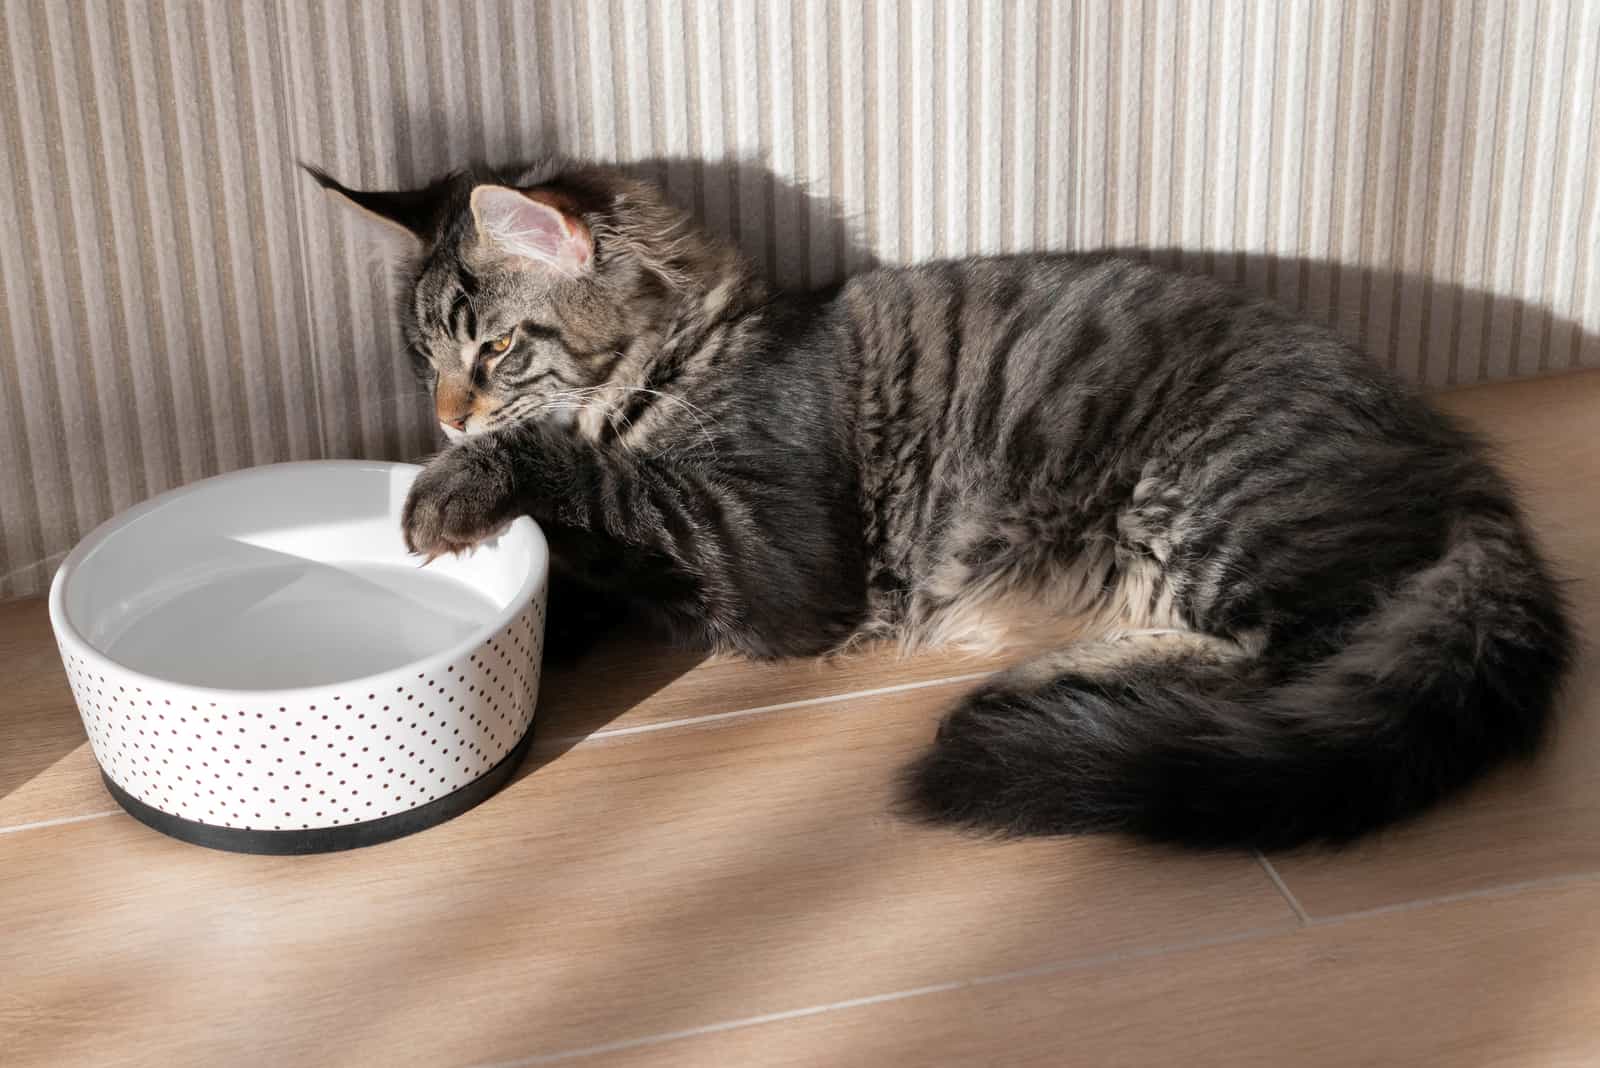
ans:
(177, 301)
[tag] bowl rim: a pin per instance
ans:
(67, 634)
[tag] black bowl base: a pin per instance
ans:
(326, 839)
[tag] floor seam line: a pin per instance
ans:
(1061, 967)
(1499, 890)
(1039, 971)
(569, 741)
(62, 821)
(1283, 888)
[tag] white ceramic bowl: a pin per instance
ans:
(261, 666)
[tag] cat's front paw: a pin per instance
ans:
(461, 498)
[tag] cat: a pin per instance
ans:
(1308, 606)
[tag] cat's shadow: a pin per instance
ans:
(585, 693)
(797, 238)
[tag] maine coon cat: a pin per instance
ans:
(1310, 606)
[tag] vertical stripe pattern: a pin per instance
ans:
(176, 301)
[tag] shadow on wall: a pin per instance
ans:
(798, 239)
(1433, 332)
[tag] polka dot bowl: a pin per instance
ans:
(261, 667)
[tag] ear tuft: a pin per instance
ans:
(400, 222)
(521, 225)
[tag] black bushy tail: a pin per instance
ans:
(1453, 674)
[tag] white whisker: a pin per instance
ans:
(698, 414)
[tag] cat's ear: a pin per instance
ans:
(528, 227)
(401, 222)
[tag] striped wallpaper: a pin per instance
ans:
(178, 301)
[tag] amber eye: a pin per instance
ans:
(501, 343)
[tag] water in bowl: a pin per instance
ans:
(301, 623)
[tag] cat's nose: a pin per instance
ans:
(452, 403)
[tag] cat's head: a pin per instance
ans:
(538, 295)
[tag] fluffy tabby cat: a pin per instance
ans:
(1310, 606)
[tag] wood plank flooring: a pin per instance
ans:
(697, 867)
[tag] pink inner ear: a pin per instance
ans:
(521, 226)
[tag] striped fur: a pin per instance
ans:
(1306, 605)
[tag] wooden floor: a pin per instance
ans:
(697, 868)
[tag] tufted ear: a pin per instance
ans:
(401, 221)
(524, 226)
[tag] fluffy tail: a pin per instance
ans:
(1453, 674)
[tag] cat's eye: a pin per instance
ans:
(501, 343)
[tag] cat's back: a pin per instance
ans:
(1027, 306)
(1008, 353)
